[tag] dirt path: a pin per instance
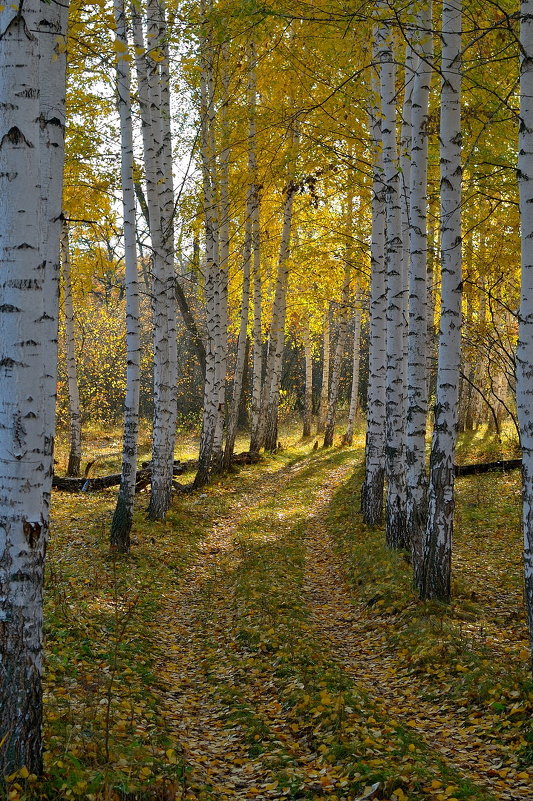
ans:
(226, 713)
(348, 629)
(200, 612)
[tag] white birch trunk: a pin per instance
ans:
(26, 406)
(417, 382)
(436, 575)
(277, 326)
(123, 515)
(222, 277)
(524, 358)
(150, 105)
(356, 362)
(372, 489)
(240, 361)
(394, 449)
(257, 376)
(211, 411)
(308, 389)
(329, 429)
(74, 457)
(324, 386)
(51, 33)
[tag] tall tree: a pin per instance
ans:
(524, 388)
(28, 354)
(435, 578)
(417, 384)
(373, 484)
(74, 457)
(123, 516)
(394, 447)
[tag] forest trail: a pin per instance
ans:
(269, 686)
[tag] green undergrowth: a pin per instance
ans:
(473, 654)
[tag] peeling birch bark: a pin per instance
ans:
(524, 357)
(435, 582)
(123, 515)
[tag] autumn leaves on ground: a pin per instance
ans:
(262, 643)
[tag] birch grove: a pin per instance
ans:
(322, 193)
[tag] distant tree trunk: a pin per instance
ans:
(212, 395)
(356, 360)
(324, 387)
(74, 457)
(277, 326)
(417, 383)
(394, 449)
(222, 276)
(329, 429)
(372, 489)
(524, 386)
(308, 390)
(123, 515)
(257, 373)
(240, 361)
(27, 251)
(435, 580)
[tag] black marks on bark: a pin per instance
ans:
(32, 532)
(14, 137)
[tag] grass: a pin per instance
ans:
(254, 655)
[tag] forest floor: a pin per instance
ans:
(262, 643)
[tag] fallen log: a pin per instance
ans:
(142, 479)
(501, 466)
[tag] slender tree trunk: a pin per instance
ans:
(324, 387)
(372, 489)
(277, 327)
(436, 576)
(417, 383)
(356, 361)
(240, 362)
(329, 429)
(222, 276)
(394, 450)
(123, 516)
(308, 391)
(524, 385)
(257, 374)
(27, 251)
(51, 27)
(211, 412)
(74, 457)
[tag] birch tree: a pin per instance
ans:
(74, 457)
(524, 387)
(308, 388)
(417, 384)
(28, 353)
(356, 360)
(123, 516)
(395, 517)
(373, 484)
(435, 577)
(324, 386)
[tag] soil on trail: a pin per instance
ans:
(228, 712)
